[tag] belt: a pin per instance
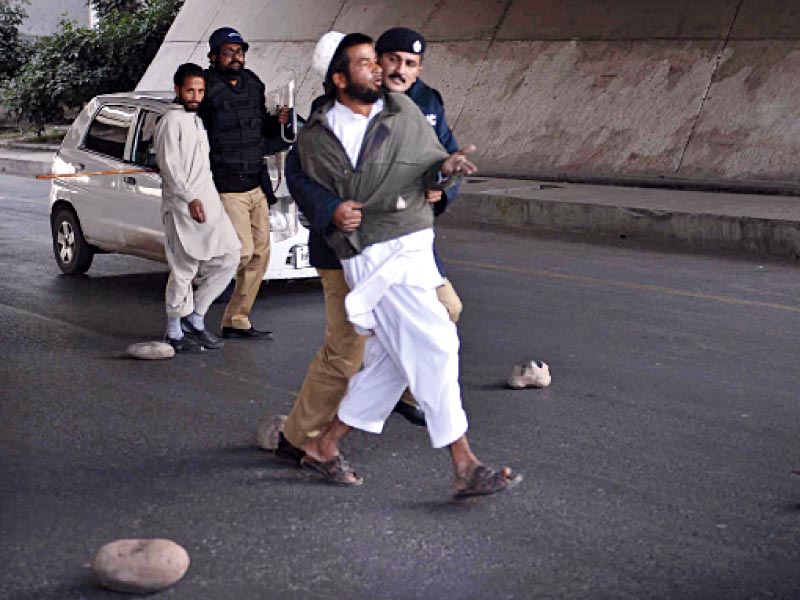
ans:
(237, 183)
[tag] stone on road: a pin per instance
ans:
(139, 566)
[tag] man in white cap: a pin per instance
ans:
(364, 143)
(341, 354)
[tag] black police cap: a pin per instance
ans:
(400, 39)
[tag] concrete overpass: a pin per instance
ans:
(704, 90)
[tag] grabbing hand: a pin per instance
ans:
(196, 211)
(347, 215)
(433, 195)
(457, 163)
(283, 114)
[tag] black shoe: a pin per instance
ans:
(246, 334)
(185, 345)
(413, 414)
(288, 453)
(207, 339)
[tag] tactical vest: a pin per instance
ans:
(236, 124)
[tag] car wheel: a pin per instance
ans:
(73, 254)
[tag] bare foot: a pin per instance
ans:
(320, 451)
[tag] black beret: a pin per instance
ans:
(400, 39)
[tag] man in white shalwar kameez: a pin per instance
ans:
(201, 243)
(389, 156)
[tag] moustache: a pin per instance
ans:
(398, 77)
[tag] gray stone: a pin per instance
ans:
(267, 435)
(151, 350)
(139, 565)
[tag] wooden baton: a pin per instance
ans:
(93, 173)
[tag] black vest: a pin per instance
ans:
(235, 121)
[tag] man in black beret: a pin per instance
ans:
(400, 52)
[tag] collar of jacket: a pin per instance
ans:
(417, 88)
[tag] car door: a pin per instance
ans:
(144, 232)
(102, 152)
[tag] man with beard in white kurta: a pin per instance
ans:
(201, 243)
(385, 147)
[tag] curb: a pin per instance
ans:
(29, 146)
(754, 235)
(26, 168)
(690, 230)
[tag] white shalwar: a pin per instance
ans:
(415, 345)
(207, 252)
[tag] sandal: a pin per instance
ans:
(335, 470)
(485, 481)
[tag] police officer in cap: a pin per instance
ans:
(400, 52)
(241, 133)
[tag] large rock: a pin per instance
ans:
(151, 350)
(267, 435)
(139, 566)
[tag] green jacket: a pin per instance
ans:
(399, 159)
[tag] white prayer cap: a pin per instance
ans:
(323, 52)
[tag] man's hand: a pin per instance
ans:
(433, 195)
(283, 114)
(196, 211)
(347, 215)
(457, 163)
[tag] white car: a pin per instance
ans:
(106, 201)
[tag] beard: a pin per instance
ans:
(362, 93)
(233, 68)
(188, 105)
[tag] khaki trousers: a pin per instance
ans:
(249, 213)
(336, 362)
(338, 359)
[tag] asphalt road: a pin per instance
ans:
(656, 465)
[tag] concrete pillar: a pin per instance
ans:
(629, 88)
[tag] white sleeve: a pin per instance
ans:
(171, 147)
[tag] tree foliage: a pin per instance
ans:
(67, 69)
(12, 49)
(105, 7)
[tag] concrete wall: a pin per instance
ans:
(703, 89)
(44, 15)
